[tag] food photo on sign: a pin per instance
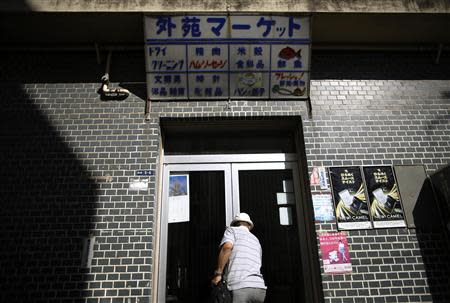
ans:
(350, 201)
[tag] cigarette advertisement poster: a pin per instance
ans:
(385, 203)
(178, 198)
(350, 201)
(335, 253)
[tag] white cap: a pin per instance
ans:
(242, 217)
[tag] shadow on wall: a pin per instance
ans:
(47, 203)
(379, 65)
(127, 69)
(47, 197)
(431, 216)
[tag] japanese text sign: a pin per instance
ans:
(335, 253)
(385, 204)
(350, 200)
(214, 56)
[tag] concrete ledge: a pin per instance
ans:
(217, 6)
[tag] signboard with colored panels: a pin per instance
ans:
(227, 57)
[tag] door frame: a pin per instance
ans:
(302, 220)
(229, 158)
(237, 167)
(163, 228)
(231, 164)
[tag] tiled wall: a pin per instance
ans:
(67, 158)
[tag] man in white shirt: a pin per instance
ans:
(239, 262)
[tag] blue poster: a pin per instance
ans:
(323, 208)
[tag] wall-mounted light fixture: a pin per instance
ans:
(107, 93)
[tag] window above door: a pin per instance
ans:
(230, 135)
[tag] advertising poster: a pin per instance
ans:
(350, 201)
(323, 208)
(385, 203)
(314, 176)
(178, 198)
(335, 253)
(319, 177)
(323, 178)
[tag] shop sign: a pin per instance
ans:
(385, 203)
(335, 253)
(350, 201)
(227, 57)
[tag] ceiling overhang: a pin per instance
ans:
(243, 6)
(28, 30)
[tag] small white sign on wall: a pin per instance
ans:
(138, 184)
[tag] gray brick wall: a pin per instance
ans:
(384, 117)
(67, 159)
(59, 141)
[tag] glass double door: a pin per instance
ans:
(199, 201)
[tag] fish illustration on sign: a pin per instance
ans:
(289, 53)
